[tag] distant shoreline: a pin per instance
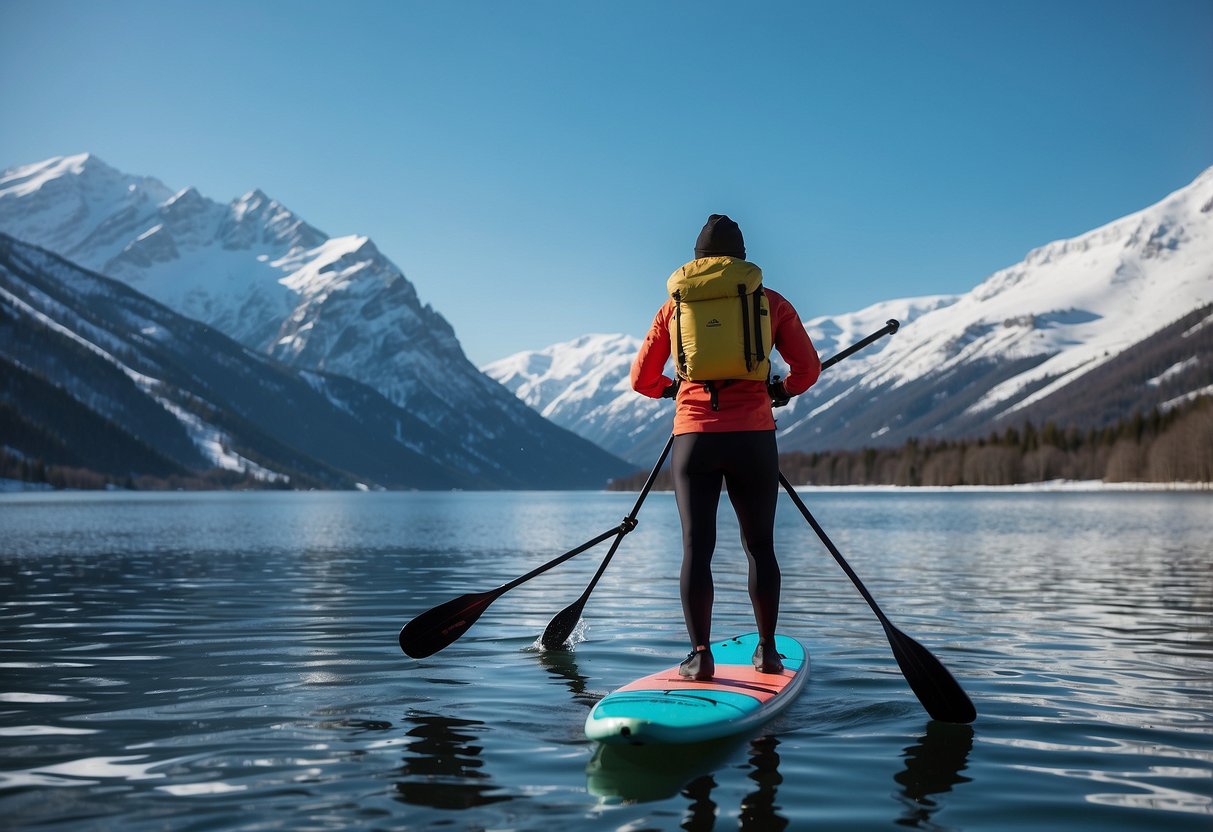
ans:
(8, 486)
(1076, 486)
(1052, 486)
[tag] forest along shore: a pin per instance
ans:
(1175, 445)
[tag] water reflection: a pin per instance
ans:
(701, 813)
(933, 767)
(442, 766)
(758, 809)
(639, 774)
(562, 665)
(643, 773)
(223, 656)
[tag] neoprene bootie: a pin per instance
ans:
(698, 665)
(767, 659)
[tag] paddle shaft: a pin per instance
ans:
(561, 626)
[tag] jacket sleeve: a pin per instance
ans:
(794, 344)
(648, 377)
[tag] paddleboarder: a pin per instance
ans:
(724, 429)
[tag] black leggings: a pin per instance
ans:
(748, 463)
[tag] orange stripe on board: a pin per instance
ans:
(734, 678)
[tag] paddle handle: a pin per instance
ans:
(891, 326)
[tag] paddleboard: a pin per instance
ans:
(667, 708)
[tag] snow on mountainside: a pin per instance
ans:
(1015, 344)
(257, 272)
(1068, 307)
(97, 375)
(833, 333)
(584, 385)
(1076, 302)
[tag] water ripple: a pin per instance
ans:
(230, 662)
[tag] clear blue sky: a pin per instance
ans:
(537, 169)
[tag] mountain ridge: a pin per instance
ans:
(1012, 345)
(257, 272)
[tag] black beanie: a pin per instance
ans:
(720, 237)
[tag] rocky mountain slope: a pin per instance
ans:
(258, 273)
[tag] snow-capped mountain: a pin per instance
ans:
(584, 385)
(1017, 345)
(96, 375)
(257, 272)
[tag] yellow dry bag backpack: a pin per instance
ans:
(721, 328)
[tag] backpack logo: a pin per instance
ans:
(713, 322)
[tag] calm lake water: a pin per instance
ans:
(229, 661)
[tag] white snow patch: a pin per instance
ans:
(1185, 398)
(155, 228)
(1173, 370)
(215, 444)
(1192, 330)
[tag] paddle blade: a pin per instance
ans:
(438, 627)
(562, 625)
(939, 693)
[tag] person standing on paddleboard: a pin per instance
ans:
(724, 429)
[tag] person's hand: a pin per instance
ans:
(778, 393)
(671, 391)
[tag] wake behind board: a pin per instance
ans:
(667, 708)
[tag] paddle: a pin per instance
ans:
(939, 693)
(561, 626)
(439, 626)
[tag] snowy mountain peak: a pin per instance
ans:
(26, 179)
(79, 171)
(256, 218)
(256, 271)
(253, 199)
(1149, 232)
(584, 385)
(185, 197)
(558, 363)
(189, 208)
(74, 203)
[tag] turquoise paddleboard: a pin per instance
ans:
(667, 708)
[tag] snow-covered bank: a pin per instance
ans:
(1051, 485)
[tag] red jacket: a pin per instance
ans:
(743, 405)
